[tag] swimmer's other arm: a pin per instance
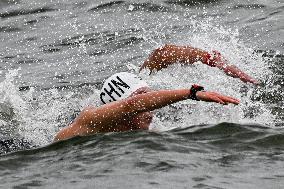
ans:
(104, 118)
(171, 54)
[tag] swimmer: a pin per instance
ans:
(127, 101)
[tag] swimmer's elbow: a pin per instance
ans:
(58, 137)
(68, 132)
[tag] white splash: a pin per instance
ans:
(37, 115)
(225, 40)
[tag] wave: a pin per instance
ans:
(192, 2)
(249, 6)
(19, 12)
(198, 153)
(130, 7)
(9, 29)
(107, 5)
(238, 137)
(99, 43)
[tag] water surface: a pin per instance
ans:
(54, 56)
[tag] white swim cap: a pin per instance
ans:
(120, 86)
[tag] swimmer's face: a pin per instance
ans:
(142, 120)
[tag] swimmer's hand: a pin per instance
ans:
(231, 70)
(208, 96)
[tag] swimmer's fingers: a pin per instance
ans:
(233, 71)
(216, 97)
(208, 97)
(228, 99)
(246, 78)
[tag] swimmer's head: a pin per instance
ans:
(120, 86)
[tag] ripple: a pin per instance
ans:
(249, 6)
(50, 49)
(131, 7)
(107, 5)
(225, 135)
(191, 2)
(106, 41)
(28, 61)
(7, 2)
(163, 166)
(275, 140)
(9, 29)
(148, 7)
(32, 183)
(12, 13)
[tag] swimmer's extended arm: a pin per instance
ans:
(171, 54)
(101, 119)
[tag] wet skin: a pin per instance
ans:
(141, 120)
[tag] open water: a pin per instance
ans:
(55, 54)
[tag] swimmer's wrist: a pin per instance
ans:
(213, 59)
(193, 90)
